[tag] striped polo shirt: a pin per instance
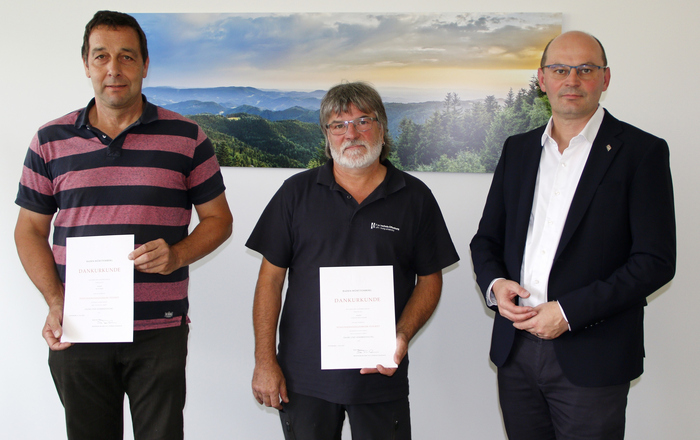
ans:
(143, 182)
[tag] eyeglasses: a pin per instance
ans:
(341, 127)
(583, 71)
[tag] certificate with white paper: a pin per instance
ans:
(99, 294)
(358, 326)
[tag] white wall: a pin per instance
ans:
(652, 47)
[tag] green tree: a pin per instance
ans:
(539, 113)
(463, 162)
(478, 122)
(433, 139)
(510, 99)
(406, 145)
(506, 123)
(320, 157)
(452, 125)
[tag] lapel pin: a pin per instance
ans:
(608, 147)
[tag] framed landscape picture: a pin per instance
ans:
(454, 85)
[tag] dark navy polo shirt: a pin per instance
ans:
(312, 222)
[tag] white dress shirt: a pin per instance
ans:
(557, 179)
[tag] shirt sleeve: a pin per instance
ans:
(434, 247)
(36, 189)
(205, 181)
(490, 296)
(272, 235)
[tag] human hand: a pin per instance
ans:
(549, 323)
(155, 257)
(269, 385)
(506, 293)
(399, 354)
(53, 330)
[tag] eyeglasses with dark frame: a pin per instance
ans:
(362, 124)
(583, 71)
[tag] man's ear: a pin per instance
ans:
(540, 79)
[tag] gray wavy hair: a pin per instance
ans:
(338, 99)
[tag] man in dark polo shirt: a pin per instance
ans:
(356, 210)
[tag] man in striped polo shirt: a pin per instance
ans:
(121, 166)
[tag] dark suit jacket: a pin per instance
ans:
(618, 246)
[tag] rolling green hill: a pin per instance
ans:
(246, 140)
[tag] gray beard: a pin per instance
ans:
(355, 161)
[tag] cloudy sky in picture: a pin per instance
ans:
(408, 57)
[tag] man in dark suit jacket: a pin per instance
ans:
(578, 229)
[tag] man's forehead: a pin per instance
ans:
(109, 34)
(581, 49)
(351, 112)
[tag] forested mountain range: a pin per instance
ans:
(230, 97)
(244, 140)
(272, 105)
(250, 127)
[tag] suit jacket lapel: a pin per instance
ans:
(530, 164)
(603, 151)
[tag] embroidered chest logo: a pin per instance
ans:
(384, 227)
(169, 314)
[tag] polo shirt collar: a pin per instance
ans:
(393, 181)
(150, 113)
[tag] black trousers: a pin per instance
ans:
(310, 418)
(91, 380)
(539, 403)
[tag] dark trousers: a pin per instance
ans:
(539, 403)
(91, 380)
(310, 418)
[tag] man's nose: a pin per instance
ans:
(573, 77)
(352, 132)
(114, 68)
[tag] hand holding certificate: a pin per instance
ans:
(358, 326)
(99, 293)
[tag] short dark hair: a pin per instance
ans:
(602, 49)
(338, 99)
(113, 20)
